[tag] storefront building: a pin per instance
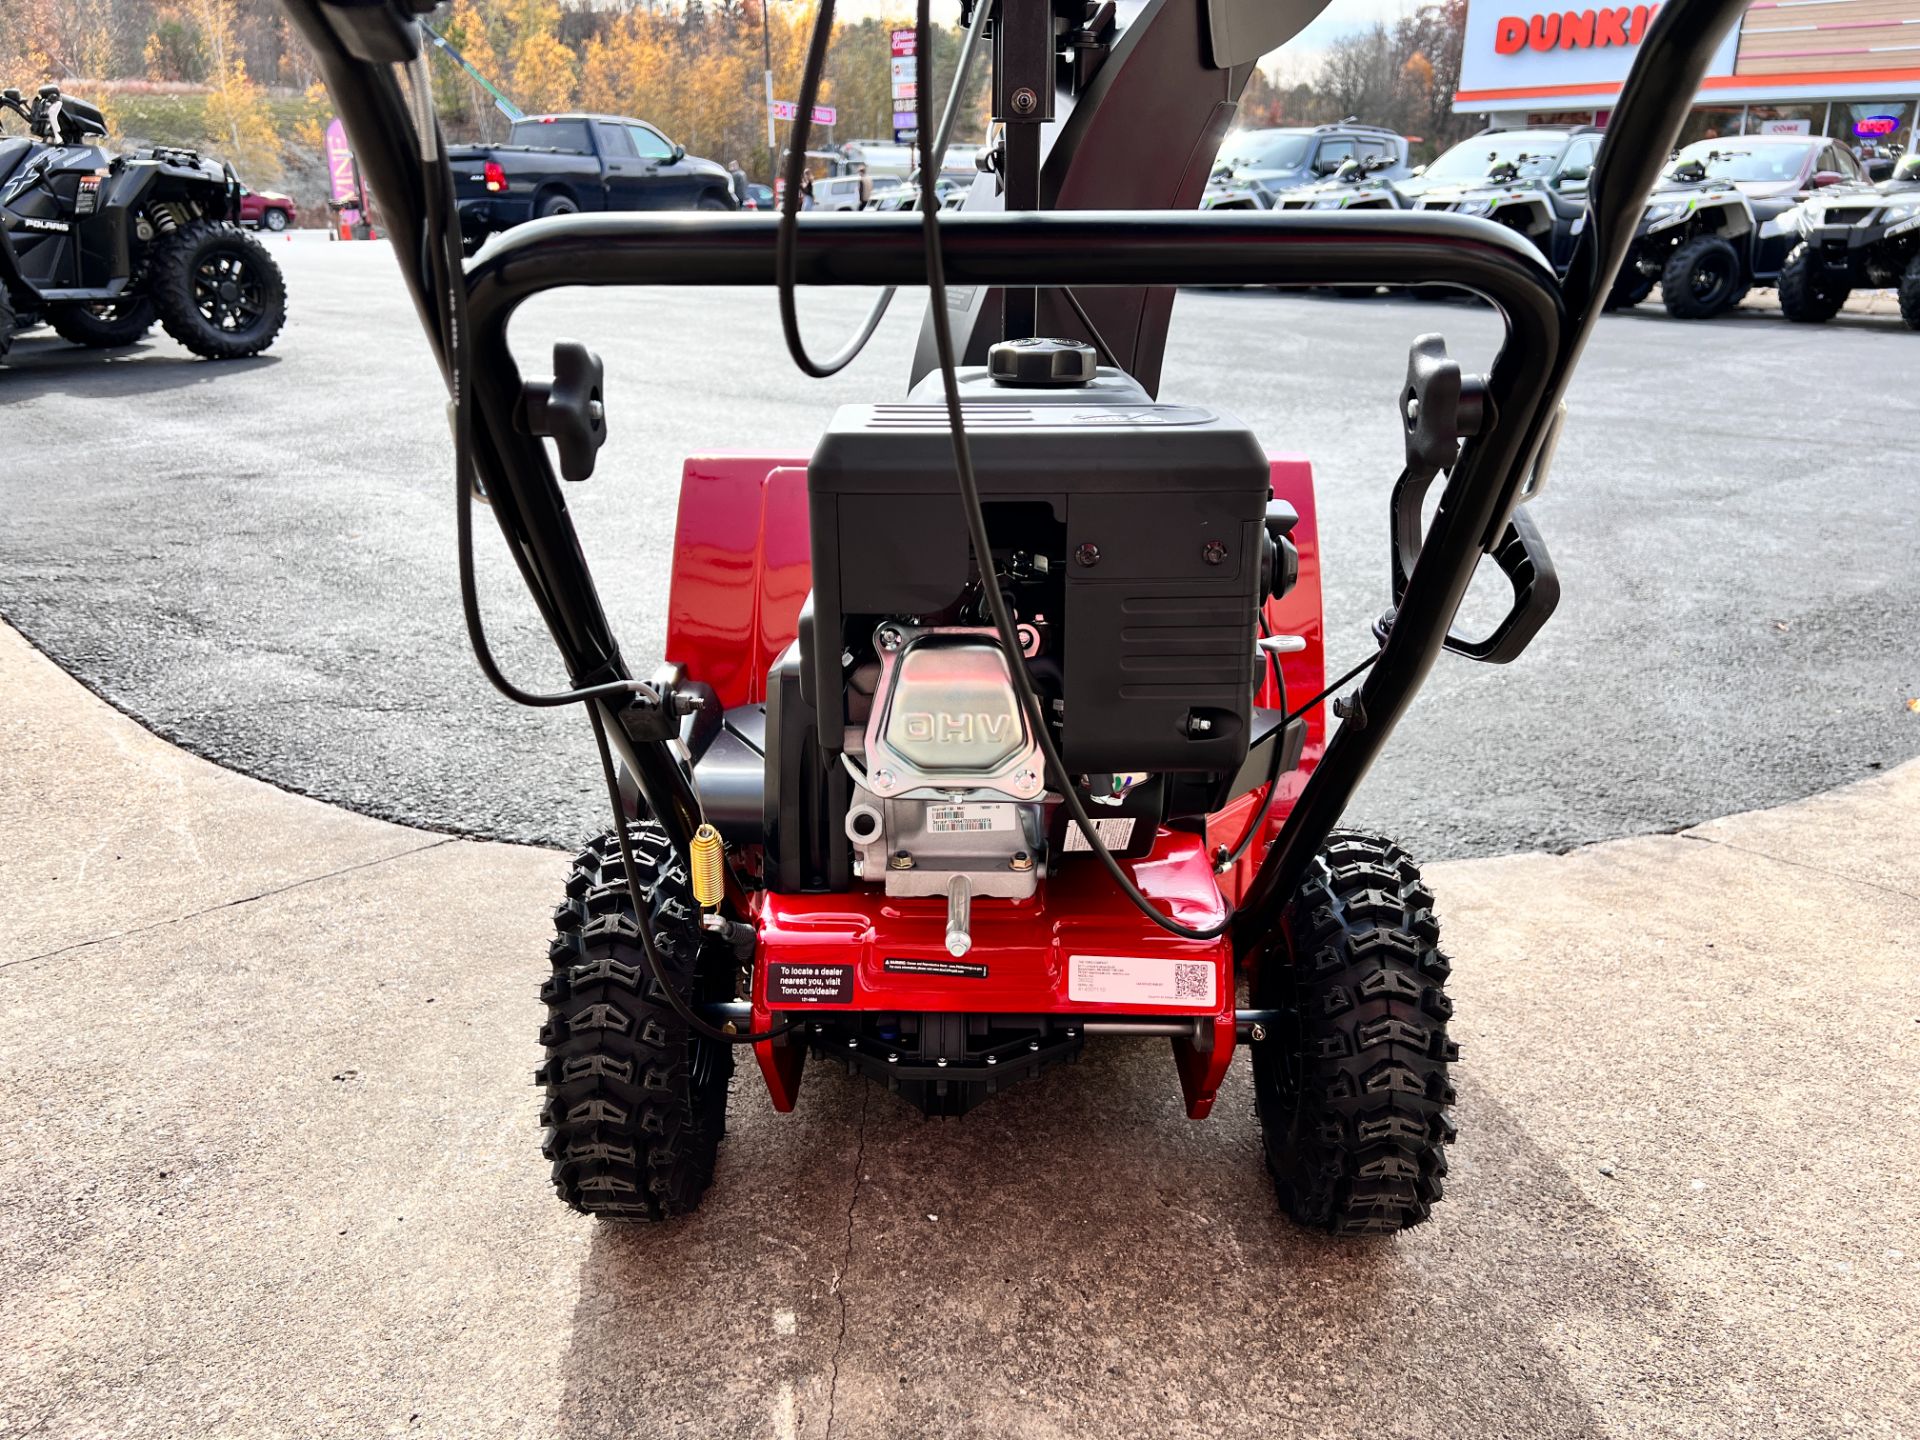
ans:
(1846, 69)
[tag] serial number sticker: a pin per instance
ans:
(1136, 980)
(1114, 834)
(810, 984)
(968, 819)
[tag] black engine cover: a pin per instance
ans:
(1148, 515)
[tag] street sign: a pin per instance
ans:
(903, 73)
(790, 110)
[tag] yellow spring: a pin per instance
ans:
(709, 867)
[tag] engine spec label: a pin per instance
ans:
(953, 969)
(968, 819)
(1136, 980)
(810, 984)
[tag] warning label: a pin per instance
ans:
(1134, 980)
(810, 984)
(959, 969)
(1114, 834)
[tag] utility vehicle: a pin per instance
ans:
(1718, 223)
(99, 245)
(1853, 236)
(1356, 185)
(1531, 180)
(1277, 159)
(999, 724)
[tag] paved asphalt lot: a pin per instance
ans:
(257, 559)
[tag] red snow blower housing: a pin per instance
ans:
(998, 723)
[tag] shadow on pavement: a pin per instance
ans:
(1076, 1257)
(38, 366)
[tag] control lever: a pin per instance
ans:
(569, 409)
(1439, 407)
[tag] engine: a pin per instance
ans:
(1133, 541)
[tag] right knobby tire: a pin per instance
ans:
(1910, 293)
(217, 290)
(1352, 1083)
(636, 1104)
(1808, 297)
(1702, 278)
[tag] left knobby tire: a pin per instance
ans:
(1352, 1083)
(636, 1103)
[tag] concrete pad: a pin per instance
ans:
(270, 1169)
(104, 830)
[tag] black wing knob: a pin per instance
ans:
(569, 410)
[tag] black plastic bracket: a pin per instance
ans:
(569, 409)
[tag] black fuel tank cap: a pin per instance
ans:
(1041, 363)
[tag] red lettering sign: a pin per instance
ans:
(1572, 29)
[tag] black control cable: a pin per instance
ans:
(445, 271)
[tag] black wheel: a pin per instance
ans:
(635, 1104)
(103, 327)
(1351, 1084)
(556, 205)
(217, 290)
(711, 201)
(1806, 295)
(1910, 293)
(1630, 287)
(1701, 279)
(274, 220)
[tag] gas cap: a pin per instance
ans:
(1041, 363)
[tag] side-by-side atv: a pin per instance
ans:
(1359, 184)
(998, 723)
(1852, 237)
(100, 246)
(1531, 180)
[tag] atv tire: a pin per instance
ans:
(1910, 293)
(103, 327)
(1702, 278)
(636, 1104)
(1630, 287)
(217, 290)
(1806, 296)
(1351, 1085)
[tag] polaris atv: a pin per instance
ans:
(1853, 237)
(1533, 181)
(99, 246)
(998, 724)
(1356, 185)
(1719, 222)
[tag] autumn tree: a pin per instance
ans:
(239, 125)
(545, 72)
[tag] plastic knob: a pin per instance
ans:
(569, 410)
(1041, 363)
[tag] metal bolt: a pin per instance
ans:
(1088, 554)
(1021, 861)
(993, 1059)
(941, 1062)
(1257, 1031)
(900, 860)
(887, 638)
(596, 412)
(883, 779)
(1033, 1044)
(1215, 552)
(893, 1057)
(1071, 1032)
(853, 1042)
(1024, 101)
(1413, 410)
(1028, 780)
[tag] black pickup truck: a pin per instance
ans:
(561, 164)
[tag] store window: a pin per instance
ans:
(1566, 118)
(1787, 119)
(1710, 122)
(1877, 132)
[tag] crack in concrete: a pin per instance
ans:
(1802, 865)
(224, 904)
(846, 1259)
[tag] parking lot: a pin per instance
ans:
(257, 559)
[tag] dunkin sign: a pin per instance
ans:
(1514, 55)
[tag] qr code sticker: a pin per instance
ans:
(1192, 980)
